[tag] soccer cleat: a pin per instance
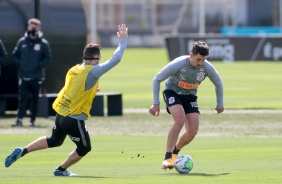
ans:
(174, 156)
(66, 172)
(168, 163)
(18, 122)
(14, 156)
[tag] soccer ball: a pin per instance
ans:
(183, 164)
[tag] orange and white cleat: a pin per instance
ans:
(174, 156)
(168, 164)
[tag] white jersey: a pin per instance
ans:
(184, 79)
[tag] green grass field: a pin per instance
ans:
(114, 159)
(241, 146)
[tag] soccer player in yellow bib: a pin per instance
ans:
(73, 105)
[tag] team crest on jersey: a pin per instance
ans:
(171, 100)
(36, 47)
(200, 76)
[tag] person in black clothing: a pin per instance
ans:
(3, 54)
(31, 54)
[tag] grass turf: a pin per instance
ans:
(114, 159)
(230, 148)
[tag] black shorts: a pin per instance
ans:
(189, 102)
(75, 129)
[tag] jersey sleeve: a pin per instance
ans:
(98, 70)
(215, 78)
(169, 70)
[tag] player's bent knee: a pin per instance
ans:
(82, 151)
(180, 121)
(192, 133)
(53, 142)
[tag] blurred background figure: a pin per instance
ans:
(31, 54)
(3, 54)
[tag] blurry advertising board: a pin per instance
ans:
(229, 49)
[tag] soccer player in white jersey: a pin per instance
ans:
(183, 75)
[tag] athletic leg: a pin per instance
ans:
(191, 109)
(192, 127)
(78, 133)
(56, 139)
(179, 118)
(72, 158)
(38, 144)
(175, 108)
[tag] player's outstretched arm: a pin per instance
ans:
(122, 31)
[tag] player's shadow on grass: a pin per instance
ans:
(89, 177)
(208, 175)
(201, 174)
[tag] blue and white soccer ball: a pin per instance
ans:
(183, 164)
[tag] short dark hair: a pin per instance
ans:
(200, 47)
(91, 49)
